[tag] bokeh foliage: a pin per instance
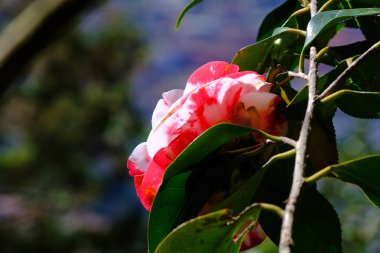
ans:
(64, 135)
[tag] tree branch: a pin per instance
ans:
(298, 178)
(334, 85)
(298, 75)
(38, 26)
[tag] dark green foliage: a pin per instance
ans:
(269, 52)
(364, 172)
(281, 47)
(321, 22)
(214, 232)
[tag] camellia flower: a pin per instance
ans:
(216, 92)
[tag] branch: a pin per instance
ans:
(272, 208)
(298, 75)
(318, 175)
(327, 5)
(298, 178)
(32, 31)
(334, 85)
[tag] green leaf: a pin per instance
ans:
(360, 104)
(213, 232)
(328, 19)
(184, 11)
(242, 197)
(199, 188)
(316, 225)
(366, 75)
(280, 48)
(364, 172)
(209, 141)
(170, 198)
(205, 144)
(276, 18)
(335, 55)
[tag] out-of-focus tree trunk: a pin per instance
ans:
(36, 27)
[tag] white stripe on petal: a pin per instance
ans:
(139, 159)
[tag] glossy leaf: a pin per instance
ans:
(242, 197)
(316, 225)
(276, 18)
(279, 47)
(200, 189)
(171, 196)
(185, 10)
(205, 144)
(335, 55)
(358, 104)
(325, 20)
(364, 172)
(170, 199)
(366, 75)
(213, 232)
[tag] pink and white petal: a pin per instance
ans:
(159, 112)
(153, 178)
(260, 100)
(139, 160)
(219, 101)
(164, 104)
(181, 142)
(266, 106)
(205, 107)
(252, 78)
(209, 72)
(263, 86)
(172, 96)
(247, 77)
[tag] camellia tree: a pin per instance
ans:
(236, 155)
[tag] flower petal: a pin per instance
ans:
(266, 106)
(172, 96)
(153, 178)
(204, 107)
(139, 160)
(209, 72)
(164, 104)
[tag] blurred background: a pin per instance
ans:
(73, 116)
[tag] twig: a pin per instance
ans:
(283, 139)
(297, 31)
(298, 178)
(288, 141)
(315, 177)
(297, 13)
(321, 52)
(298, 75)
(334, 85)
(326, 5)
(272, 208)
